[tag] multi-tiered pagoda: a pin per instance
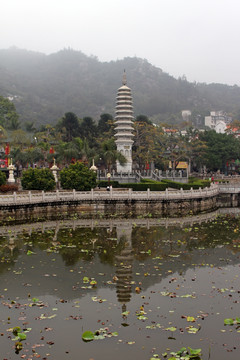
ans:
(124, 129)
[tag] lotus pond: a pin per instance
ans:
(121, 289)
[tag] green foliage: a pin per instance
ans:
(16, 330)
(77, 176)
(143, 118)
(38, 179)
(2, 178)
(153, 186)
(231, 321)
(110, 154)
(8, 115)
(183, 353)
(88, 130)
(105, 183)
(195, 185)
(157, 185)
(221, 148)
(104, 123)
(69, 126)
(88, 336)
(100, 334)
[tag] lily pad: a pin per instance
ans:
(88, 336)
(22, 336)
(228, 321)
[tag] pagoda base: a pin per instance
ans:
(127, 168)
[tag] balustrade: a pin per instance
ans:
(113, 194)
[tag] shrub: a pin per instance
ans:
(38, 179)
(149, 181)
(195, 185)
(77, 176)
(143, 186)
(2, 178)
(8, 187)
(105, 183)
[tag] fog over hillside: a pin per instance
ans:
(44, 87)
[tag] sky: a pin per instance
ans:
(195, 38)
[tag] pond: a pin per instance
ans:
(120, 289)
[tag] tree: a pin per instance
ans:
(8, 114)
(147, 142)
(88, 130)
(105, 123)
(2, 178)
(68, 151)
(69, 126)
(194, 149)
(3, 133)
(13, 123)
(27, 156)
(221, 148)
(46, 136)
(38, 179)
(143, 118)
(77, 176)
(106, 129)
(19, 137)
(29, 126)
(110, 154)
(77, 149)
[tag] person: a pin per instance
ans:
(108, 188)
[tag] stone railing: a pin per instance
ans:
(230, 188)
(98, 195)
(14, 229)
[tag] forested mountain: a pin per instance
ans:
(44, 87)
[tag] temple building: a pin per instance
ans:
(123, 122)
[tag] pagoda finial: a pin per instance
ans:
(124, 80)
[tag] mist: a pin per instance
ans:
(197, 39)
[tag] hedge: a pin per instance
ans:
(144, 186)
(154, 185)
(195, 185)
(105, 183)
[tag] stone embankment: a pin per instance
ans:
(160, 203)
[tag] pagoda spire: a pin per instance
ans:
(124, 80)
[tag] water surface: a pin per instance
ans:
(152, 288)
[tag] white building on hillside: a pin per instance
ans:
(220, 127)
(217, 121)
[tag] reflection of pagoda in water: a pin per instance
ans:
(11, 244)
(124, 265)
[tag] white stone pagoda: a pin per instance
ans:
(124, 129)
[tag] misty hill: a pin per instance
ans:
(45, 87)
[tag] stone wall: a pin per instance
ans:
(155, 208)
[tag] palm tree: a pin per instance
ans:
(77, 149)
(110, 154)
(20, 138)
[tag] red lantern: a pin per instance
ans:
(7, 152)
